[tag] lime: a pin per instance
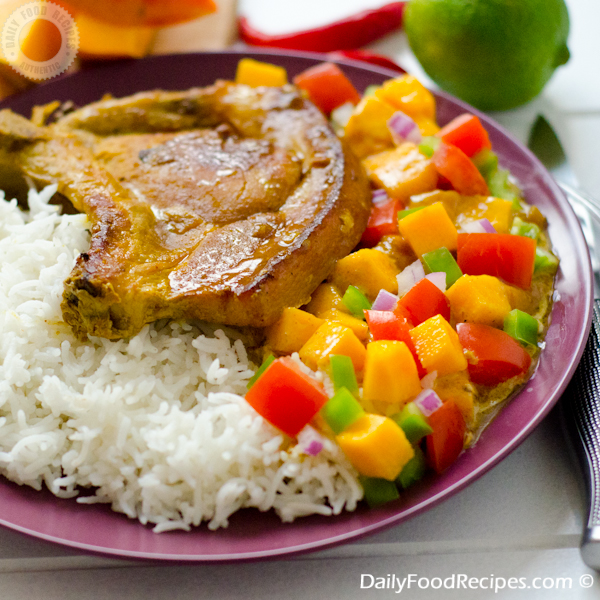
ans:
(494, 54)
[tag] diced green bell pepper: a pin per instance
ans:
(521, 326)
(260, 371)
(356, 302)
(413, 470)
(440, 260)
(341, 410)
(342, 373)
(409, 211)
(520, 227)
(370, 90)
(428, 145)
(378, 491)
(486, 161)
(412, 421)
(544, 260)
(501, 187)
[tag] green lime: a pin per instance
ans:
(494, 54)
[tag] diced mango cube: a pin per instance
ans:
(367, 269)
(391, 375)
(256, 73)
(325, 298)
(457, 387)
(367, 130)
(332, 338)
(429, 229)
(438, 346)
(408, 94)
(449, 198)
(427, 126)
(292, 330)
(360, 328)
(479, 299)
(376, 446)
(402, 172)
(98, 39)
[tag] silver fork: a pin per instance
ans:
(580, 404)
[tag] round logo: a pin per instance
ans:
(39, 40)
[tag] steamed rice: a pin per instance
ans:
(156, 425)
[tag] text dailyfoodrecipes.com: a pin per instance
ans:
(462, 581)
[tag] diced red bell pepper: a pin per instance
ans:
(453, 164)
(394, 325)
(497, 356)
(383, 221)
(467, 133)
(286, 397)
(508, 257)
(327, 86)
(446, 442)
(425, 300)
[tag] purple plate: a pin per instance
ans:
(254, 535)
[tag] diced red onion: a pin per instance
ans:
(480, 226)
(438, 279)
(310, 441)
(428, 402)
(428, 381)
(341, 115)
(409, 276)
(385, 301)
(379, 197)
(403, 128)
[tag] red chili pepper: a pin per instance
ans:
(367, 56)
(286, 397)
(383, 221)
(459, 169)
(498, 356)
(446, 442)
(425, 300)
(327, 86)
(467, 133)
(352, 32)
(508, 257)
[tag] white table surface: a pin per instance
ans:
(523, 519)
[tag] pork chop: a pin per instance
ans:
(225, 203)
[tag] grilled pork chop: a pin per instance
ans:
(224, 203)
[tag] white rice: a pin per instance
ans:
(156, 425)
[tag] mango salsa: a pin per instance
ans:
(442, 342)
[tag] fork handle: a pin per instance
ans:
(582, 408)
